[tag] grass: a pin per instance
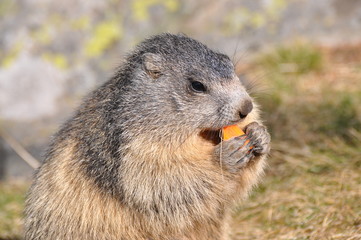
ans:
(12, 197)
(299, 58)
(312, 188)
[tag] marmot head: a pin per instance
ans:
(178, 85)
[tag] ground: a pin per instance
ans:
(311, 98)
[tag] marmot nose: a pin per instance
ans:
(245, 108)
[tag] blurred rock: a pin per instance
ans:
(29, 89)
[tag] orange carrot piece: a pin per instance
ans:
(231, 131)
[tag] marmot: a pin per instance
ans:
(141, 159)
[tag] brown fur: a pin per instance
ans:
(172, 188)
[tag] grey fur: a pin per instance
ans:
(134, 162)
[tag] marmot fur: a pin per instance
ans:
(142, 160)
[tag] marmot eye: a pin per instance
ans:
(198, 87)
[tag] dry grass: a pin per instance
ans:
(312, 189)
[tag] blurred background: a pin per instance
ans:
(303, 62)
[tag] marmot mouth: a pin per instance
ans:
(211, 135)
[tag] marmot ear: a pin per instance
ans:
(152, 64)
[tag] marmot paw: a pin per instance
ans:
(239, 151)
